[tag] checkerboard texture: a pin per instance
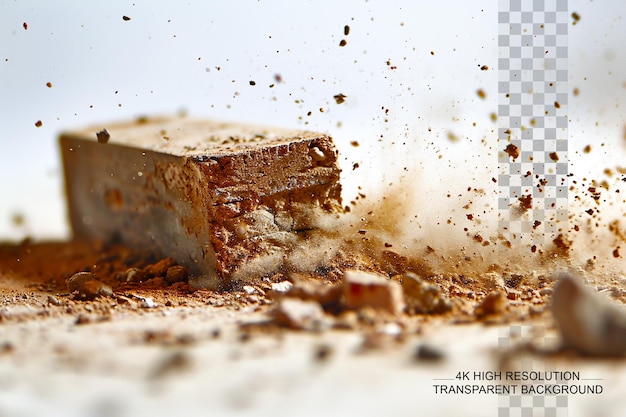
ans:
(532, 116)
(518, 405)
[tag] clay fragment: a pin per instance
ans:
(423, 298)
(363, 289)
(298, 314)
(87, 286)
(493, 304)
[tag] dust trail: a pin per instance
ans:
(436, 221)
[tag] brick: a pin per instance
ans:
(225, 200)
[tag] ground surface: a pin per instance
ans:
(158, 347)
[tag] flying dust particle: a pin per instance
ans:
(38, 123)
(18, 219)
(339, 98)
(587, 149)
(354, 143)
(125, 18)
(576, 91)
(493, 117)
(481, 93)
(452, 137)
(278, 78)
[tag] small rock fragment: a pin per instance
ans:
(83, 319)
(588, 323)
(87, 286)
(249, 289)
(133, 275)
(363, 289)
(427, 352)
(322, 353)
(172, 363)
(158, 269)
(327, 295)
(298, 314)
(423, 298)
(176, 273)
(53, 300)
(147, 302)
(281, 287)
(340, 98)
(103, 136)
(493, 304)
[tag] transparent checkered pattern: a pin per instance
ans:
(518, 405)
(532, 116)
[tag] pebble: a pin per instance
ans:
(133, 275)
(322, 353)
(158, 269)
(176, 273)
(426, 352)
(298, 314)
(327, 295)
(249, 290)
(422, 297)
(588, 322)
(364, 289)
(148, 303)
(53, 300)
(281, 287)
(87, 286)
(493, 304)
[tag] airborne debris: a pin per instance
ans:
(512, 151)
(339, 98)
